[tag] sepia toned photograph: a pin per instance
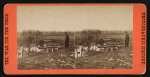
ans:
(74, 37)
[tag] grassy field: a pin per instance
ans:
(120, 59)
(63, 59)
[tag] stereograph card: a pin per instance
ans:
(75, 39)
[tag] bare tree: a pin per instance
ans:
(27, 39)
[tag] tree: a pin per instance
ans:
(27, 39)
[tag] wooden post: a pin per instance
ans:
(106, 49)
(46, 50)
(76, 55)
(111, 49)
(81, 52)
(22, 53)
(52, 50)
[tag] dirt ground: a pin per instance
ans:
(64, 59)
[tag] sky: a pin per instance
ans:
(75, 18)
